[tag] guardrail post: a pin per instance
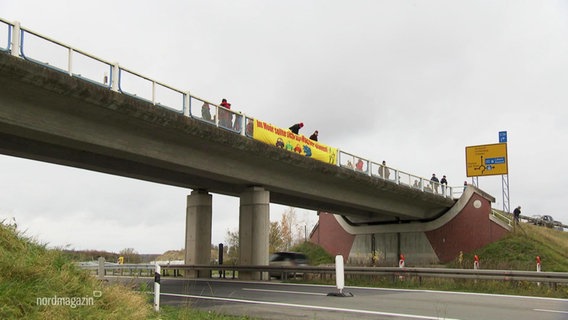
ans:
(16, 40)
(186, 103)
(221, 271)
(114, 77)
(101, 270)
(242, 124)
(70, 61)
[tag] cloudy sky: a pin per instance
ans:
(409, 82)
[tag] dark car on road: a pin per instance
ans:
(287, 259)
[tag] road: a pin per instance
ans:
(296, 301)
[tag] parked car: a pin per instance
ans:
(548, 221)
(545, 220)
(287, 259)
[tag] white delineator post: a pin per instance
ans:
(339, 273)
(339, 278)
(157, 287)
(401, 265)
(538, 267)
(401, 261)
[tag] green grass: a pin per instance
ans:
(33, 278)
(316, 254)
(518, 250)
(40, 283)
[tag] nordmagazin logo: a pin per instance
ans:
(72, 302)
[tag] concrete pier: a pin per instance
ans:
(198, 230)
(254, 227)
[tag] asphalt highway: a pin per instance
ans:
(273, 300)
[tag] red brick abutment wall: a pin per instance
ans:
(467, 226)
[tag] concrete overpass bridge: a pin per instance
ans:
(53, 114)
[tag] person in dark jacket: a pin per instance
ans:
(444, 184)
(314, 136)
(435, 182)
(296, 128)
(517, 214)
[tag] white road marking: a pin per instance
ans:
(516, 297)
(552, 311)
(400, 315)
(284, 291)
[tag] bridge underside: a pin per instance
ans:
(50, 116)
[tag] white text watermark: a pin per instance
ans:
(72, 302)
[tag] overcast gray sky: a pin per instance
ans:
(409, 82)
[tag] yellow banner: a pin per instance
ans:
(286, 139)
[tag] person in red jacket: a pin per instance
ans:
(296, 128)
(225, 117)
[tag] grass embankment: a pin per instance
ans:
(39, 283)
(518, 251)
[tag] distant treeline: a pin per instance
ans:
(93, 255)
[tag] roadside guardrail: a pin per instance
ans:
(205, 271)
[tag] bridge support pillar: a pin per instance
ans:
(198, 231)
(254, 227)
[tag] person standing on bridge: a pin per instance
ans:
(296, 128)
(384, 171)
(444, 184)
(359, 165)
(314, 136)
(435, 182)
(205, 112)
(225, 117)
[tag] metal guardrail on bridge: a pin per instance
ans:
(37, 48)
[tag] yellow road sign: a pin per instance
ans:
(486, 160)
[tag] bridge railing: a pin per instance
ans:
(38, 48)
(503, 217)
(378, 170)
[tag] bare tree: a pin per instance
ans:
(275, 242)
(130, 255)
(232, 239)
(292, 232)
